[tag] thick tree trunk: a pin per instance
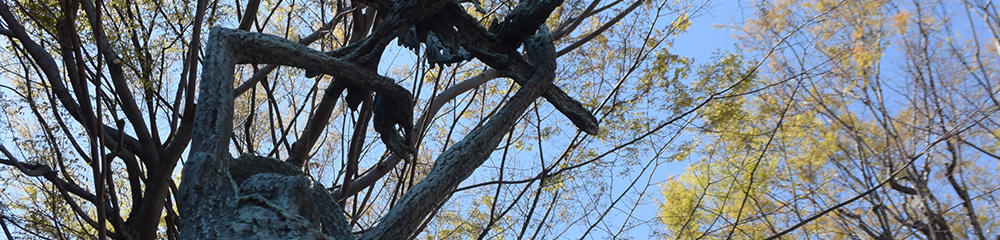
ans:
(221, 197)
(262, 198)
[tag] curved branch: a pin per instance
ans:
(44, 171)
(461, 159)
(559, 99)
(267, 69)
(370, 177)
(122, 90)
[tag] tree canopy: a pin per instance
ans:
(103, 99)
(868, 120)
(533, 119)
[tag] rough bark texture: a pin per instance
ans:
(460, 160)
(249, 197)
(262, 198)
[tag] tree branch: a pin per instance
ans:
(461, 159)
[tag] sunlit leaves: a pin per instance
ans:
(666, 75)
(44, 13)
(681, 23)
(729, 74)
(863, 97)
(900, 21)
(626, 74)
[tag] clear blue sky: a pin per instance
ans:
(710, 32)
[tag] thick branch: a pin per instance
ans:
(478, 39)
(459, 161)
(260, 74)
(489, 50)
(122, 90)
(270, 49)
(205, 170)
(43, 59)
(496, 53)
(527, 15)
(376, 173)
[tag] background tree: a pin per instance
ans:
(100, 106)
(870, 120)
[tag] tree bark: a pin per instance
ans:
(250, 196)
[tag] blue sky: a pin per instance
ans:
(709, 33)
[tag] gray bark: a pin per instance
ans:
(459, 161)
(262, 198)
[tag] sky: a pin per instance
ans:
(711, 31)
(708, 33)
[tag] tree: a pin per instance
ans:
(101, 108)
(872, 120)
